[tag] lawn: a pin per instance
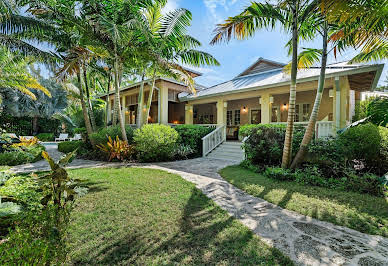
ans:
(144, 216)
(361, 212)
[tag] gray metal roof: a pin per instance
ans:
(277, 77)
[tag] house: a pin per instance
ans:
(258, 95)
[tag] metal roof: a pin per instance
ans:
(277, 77)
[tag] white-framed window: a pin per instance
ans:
(255, 116)
(237, 117)
(229, 117)
(302, 112)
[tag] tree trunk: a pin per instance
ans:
(308, 135)
(90, 107)
(84, 109)
(139, 118)
(287, 150)
(108, 101)
(149, 102)
(117, 97)
(35, 125)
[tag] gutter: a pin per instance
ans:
(378, 68)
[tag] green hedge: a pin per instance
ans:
(101, 137)
(69, 146)
(155, 143)
(191, 135)
(22, 155)
(45, 136)
(247, 130)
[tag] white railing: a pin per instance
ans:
(213, 139)
(323, 129)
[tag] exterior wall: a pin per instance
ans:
(245, 114)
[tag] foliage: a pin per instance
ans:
(191, 136)
(77, 117)
(26, 142)
(117, 149)
(69, 146)
(102, 136)
(360, 109)
(377, 109)
(155, 142)
(23, 125)
(21, 155)
(246, 130)
(265, 143)
(45, 136)
(183, 152)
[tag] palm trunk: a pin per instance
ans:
(84, 109)
(149, 102)
(107, 102)
(287, 150)
(139, 118)
(90, 107)
(308, 135)
(117, 97)
(35, 125)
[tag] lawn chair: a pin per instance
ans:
(76, 137)
(62, 137)
(12, 135)
(27, 137)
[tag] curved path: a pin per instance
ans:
(305, 240)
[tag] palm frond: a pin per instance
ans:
(197, 58)
(175, 22)
(307, 58)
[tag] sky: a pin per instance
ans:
(236, 56)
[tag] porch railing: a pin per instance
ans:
(213, 140)
(323, 129)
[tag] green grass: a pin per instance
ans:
(362, 212)
(150, 217)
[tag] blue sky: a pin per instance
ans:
(238, 55)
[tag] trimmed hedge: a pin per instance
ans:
(45, 136)
(155, 143)
(191, 135)
(101, 137)
(69, 146)
(22, 155)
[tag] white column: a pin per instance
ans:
(164, 106)
(189, 116)
(221, 112)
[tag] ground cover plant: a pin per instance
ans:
(21, 152)
(362, 212)
(191, 136)
(145, 216)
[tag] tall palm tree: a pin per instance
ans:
(290, 14)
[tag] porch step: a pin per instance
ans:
(230, 151)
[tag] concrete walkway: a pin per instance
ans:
(305, 240)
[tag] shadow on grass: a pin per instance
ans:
(205, 235)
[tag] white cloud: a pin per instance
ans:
(171, 5)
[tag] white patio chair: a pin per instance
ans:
(62, 137)
(12, 135)
(27, 137)
(76, 137)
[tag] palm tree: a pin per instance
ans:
(290, 14)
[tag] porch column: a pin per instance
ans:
(164, 106)
(345, 94)
(340, 102)
(221, 112)
(189, 117)
(265, 108)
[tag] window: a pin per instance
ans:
(255, 116)
(305, 112)
(229, 117)
(173, 95)
(275, 117)
(297, 110)
(236, 117)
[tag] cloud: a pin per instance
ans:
(171, 5)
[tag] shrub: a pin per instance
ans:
(102, 137)
(117, 149)
(155, 143)
(183, 152)
(191, 135)
(45, 136)
(247, 130)
(21, 155)
(377, 109)
(69, 146)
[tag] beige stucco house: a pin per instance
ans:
(258, 95)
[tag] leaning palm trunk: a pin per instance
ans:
(139, 118)
(287, 150)
(308, 135)
(107, 102)
(88, 126)
(149, 101)
(90, 107)
(117, 97)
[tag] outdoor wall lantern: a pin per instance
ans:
(285, 107)
(331, 93)
(225, 104)
(271, 99)
(244, 109)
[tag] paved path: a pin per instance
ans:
(305, 240)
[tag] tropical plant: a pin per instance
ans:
(117, 149)
(293, 16)
(377, 110)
